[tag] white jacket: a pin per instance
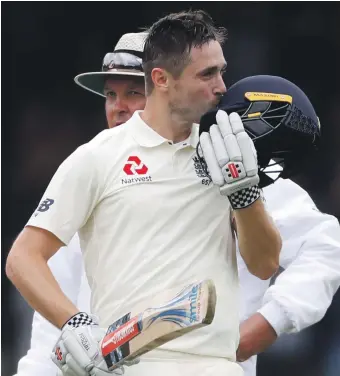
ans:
(299, 298)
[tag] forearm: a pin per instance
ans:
(29, 272)
(259, 240)
(256, 335)
(34, 280)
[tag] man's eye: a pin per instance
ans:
(209, 74)
(110, 94)
(133, 92)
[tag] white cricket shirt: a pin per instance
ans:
(147, 222)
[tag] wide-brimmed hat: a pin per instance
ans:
(125, 60)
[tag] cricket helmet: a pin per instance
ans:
(279, 118)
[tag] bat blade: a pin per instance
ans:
(134, 335)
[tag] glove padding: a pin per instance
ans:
(231, 159)
(78, 352)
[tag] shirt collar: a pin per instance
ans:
(147, 137)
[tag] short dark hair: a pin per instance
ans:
(171, 39)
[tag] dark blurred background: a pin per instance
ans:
(45, 116)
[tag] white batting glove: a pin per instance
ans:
(231, 159)
(78, 349)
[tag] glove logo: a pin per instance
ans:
(84, 341)
(134, 166)
(59, 354)
(233, 170)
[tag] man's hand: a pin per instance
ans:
(256, 335)
(78, 349)
(231, 159)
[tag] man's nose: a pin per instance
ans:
(220, 87)
(120, 105)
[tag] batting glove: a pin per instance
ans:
(231, 160)
(78, 349)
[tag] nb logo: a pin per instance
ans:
(45, 205)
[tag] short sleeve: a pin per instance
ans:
(70, 197)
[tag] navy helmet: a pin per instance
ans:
(279, 118)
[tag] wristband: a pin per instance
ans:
(79, 319)
(244, 197)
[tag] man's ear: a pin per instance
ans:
(160, 78)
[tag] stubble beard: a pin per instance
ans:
(181, 114)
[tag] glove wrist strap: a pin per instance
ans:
(79, 319)
(244, 197)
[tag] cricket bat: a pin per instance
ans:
(136, 333)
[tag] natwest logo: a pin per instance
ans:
(134, 166)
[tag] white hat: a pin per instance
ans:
(125, 60)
